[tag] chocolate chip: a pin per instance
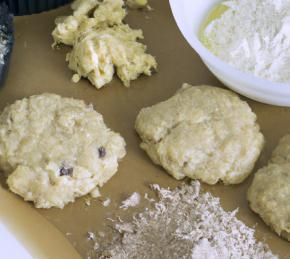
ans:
(66, 171)
(102, 152)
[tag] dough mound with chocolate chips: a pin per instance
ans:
(269, 193)
(55, 149)
(202, 132)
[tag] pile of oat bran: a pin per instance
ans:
(185, 223)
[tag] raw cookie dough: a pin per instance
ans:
(102, 43)
(202, 132)
(96, 53)
(281, 154)
(107, 13)
(56, 149)
(269, 193)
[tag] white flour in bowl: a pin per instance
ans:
(253, 36)
(185, 223)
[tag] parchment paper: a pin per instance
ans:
(36, 68)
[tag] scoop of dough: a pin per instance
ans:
(202, 132)
(110, 12)
(102, 43)
(269, 193)
(84, 7)
(281, 154)
(97, 52)
(66, 29)
(269, 196)
(56, 149)
(87, 14)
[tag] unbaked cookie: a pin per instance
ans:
(202, 132)
(55, 149)
(269, 193)
(281, 154)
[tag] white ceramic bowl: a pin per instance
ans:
(189, 15)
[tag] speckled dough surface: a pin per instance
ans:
(202, 132)
(269, 193)
(55, 149)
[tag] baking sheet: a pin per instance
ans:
(36, 68)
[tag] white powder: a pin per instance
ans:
(96, 246)
(91, 236)
(132, 201)
(183, 224)
(88, 202)
(95, 193)
(146, 197)
(106, 202)
(254, 36)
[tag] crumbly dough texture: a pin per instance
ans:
(202, 132)
(56, 149)
(107, 13)
(96, 53)
(269, 193)
(102, 43)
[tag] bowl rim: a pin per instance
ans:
(260, 84)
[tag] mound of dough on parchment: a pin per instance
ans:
(56, 149)
(102, 43)
(202, 132)
(269, 194)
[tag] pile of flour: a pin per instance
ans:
(254, 36)
(185, 223)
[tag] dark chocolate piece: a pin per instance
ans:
(68, 171)
(102, 152)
